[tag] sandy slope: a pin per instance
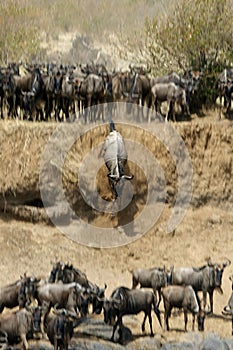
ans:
(206, 229)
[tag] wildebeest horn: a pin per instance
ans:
(219, 289)
(231, 278)
(113, 177)
(227, 263)
(60, 311)
(55, 308)
(227, 311)
(127, 177)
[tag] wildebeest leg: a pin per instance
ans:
(1, 103)
(211, 293)
(232, 324)
(185, 319)
(172, 111)
(220, 106)
(87, 114)
(117, 323)
(204, 299)
(135, 283)
(167, 314)
(168, 110)
(151, 109)
(193, 322)
(159, 294)
(24, 340)
(143, 322)
(55, 343)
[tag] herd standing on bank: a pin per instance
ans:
(67, 92)
(53, 307)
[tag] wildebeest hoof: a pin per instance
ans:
(152, 335)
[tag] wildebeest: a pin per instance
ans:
(9, 96)
(179, 297)
(206, 279)
(34, 100)
(55, 272)
(171, 93)
(17, 326)
(224, 90)
(115, 157)
(59, 327)
(125, 301)
(63, 295)
(154, 278)
(228, 309)
(93, 90)
(16, 293)
(34, 106)
(119, 89)
(67, 273)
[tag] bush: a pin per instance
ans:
(194, 34)
(18, 31)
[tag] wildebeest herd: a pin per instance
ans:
(52, 307)
(66, 92)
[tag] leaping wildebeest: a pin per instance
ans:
(125, 301)
(115, 157)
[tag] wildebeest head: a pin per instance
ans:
(38, 83)
(61, 329)
(8, 84)
(218, 272)
(28, 103)
(109, 312)
(201, 320)
(191, 300)
(37, 313)
(58, 78)
(57, 266)
(98, 299)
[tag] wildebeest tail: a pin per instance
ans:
(156, 310)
